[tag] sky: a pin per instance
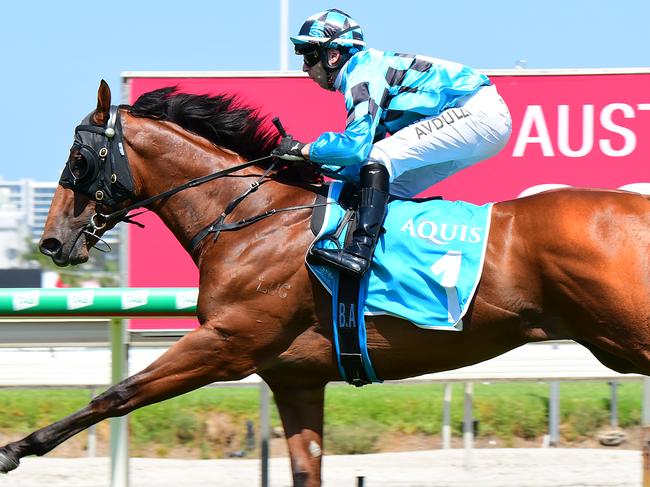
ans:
(54, 53)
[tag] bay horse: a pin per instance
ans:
(567, 264)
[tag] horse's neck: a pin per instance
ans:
(181, 156)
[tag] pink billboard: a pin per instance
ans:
(589, 129)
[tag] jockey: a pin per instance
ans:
(442, 117)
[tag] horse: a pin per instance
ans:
(566, 264)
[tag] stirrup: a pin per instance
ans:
(342, 260)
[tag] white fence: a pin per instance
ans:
(80, 367)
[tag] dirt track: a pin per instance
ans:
(439, 468)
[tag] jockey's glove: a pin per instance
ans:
(289, 149)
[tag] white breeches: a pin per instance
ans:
(434, 148)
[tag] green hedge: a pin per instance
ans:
(212, 421)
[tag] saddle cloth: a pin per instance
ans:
(427, 263)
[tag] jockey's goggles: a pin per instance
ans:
(310, 53)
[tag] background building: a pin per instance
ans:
(24, 205)
(27, 200)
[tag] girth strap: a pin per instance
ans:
(350, 332)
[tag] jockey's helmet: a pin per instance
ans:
(331, 29)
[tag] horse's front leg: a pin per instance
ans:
(203, 356)
(301, 411)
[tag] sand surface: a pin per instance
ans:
(529, 467)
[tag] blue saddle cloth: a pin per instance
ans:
(427, 264)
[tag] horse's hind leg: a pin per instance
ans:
(610, 314)
(301, 410)
(201, 357)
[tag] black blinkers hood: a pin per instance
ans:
(106, 176)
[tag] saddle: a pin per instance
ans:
(426, 267)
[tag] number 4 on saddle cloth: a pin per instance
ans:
(426, 268)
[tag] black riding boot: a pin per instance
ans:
(357, 257)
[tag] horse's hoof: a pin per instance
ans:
(7, 463)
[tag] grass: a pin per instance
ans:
(212, 421)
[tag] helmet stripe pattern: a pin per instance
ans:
(323, 26)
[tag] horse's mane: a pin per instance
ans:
(221, 119)
(226, 122)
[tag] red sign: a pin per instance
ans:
(589, 130)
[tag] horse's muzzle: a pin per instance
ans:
(54, 248)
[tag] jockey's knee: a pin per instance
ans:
(374, 175)
(379, 156)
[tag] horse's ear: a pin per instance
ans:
(103, 104)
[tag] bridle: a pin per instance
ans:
(102, 173)
(105, 143)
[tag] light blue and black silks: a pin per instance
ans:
(426, 267)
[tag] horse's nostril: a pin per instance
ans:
(50, 246)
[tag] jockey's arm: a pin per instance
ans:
(364, 90)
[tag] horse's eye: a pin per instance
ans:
(78, 166)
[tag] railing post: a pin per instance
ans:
(613, 410)
(554, 414)
(446, 417)
(92, 433)
(119, 371)
(468, 423)
(645, 432)
(265, 433)
(119, 426)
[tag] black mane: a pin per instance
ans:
(221, 119)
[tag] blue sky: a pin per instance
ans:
(53, 53)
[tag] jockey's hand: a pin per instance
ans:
(289, 149)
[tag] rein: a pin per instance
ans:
(98, 221)
(216, 226)
(120, 215)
